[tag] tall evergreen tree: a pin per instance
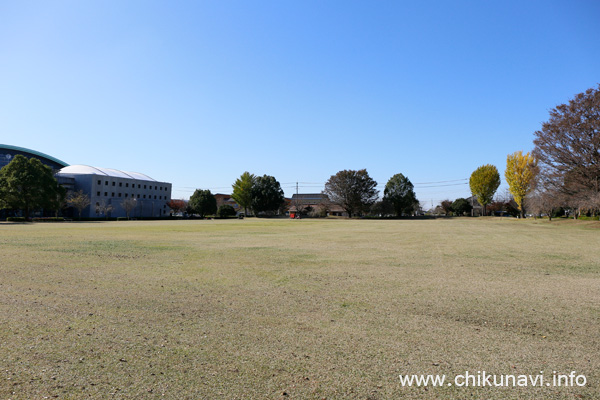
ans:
(400, 192)
(267, 195)
(28, 185)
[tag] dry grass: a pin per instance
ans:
(309, 309)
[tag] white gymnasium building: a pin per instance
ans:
(110, 187)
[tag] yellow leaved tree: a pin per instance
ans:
(484, 182)
(521, 170)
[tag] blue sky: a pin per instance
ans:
(195, 93)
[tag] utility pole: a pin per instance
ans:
(472, 205)
(297, 202)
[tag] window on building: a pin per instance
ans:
(119, 194)
(113, 194)
(155, 187)
(139, 186)
(114, 183)
(99, 182)
(97, 193)
(105, 194)
(120, 184)
(144, 196)
(106, 183)
(154, 197)
(125, 195)
(144, 186)
(127, 185)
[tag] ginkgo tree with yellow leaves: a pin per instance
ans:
(520, 173)
(484, 182)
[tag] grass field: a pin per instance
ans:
(303, 309)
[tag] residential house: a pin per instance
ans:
(223, 199)
(308, 203)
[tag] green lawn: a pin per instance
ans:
(304, 309)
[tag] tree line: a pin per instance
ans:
(562, 172)
(354, 190)
(356, 193)
(261, 194)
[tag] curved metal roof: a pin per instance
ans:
(34, 153)
(115, 173)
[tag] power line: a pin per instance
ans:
(434, 186)
(312, 185)
(453, 180)
(196, 187)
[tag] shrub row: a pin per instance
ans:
(48, 219)
(16, 219)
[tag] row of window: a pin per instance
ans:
(133, 185)
(98, 205)
(132, 195)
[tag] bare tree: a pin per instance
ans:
(299, 206)
(543, 202)
(104, 208)
(568, 148)
(79, 200)
(587, 201)
(129, 205)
